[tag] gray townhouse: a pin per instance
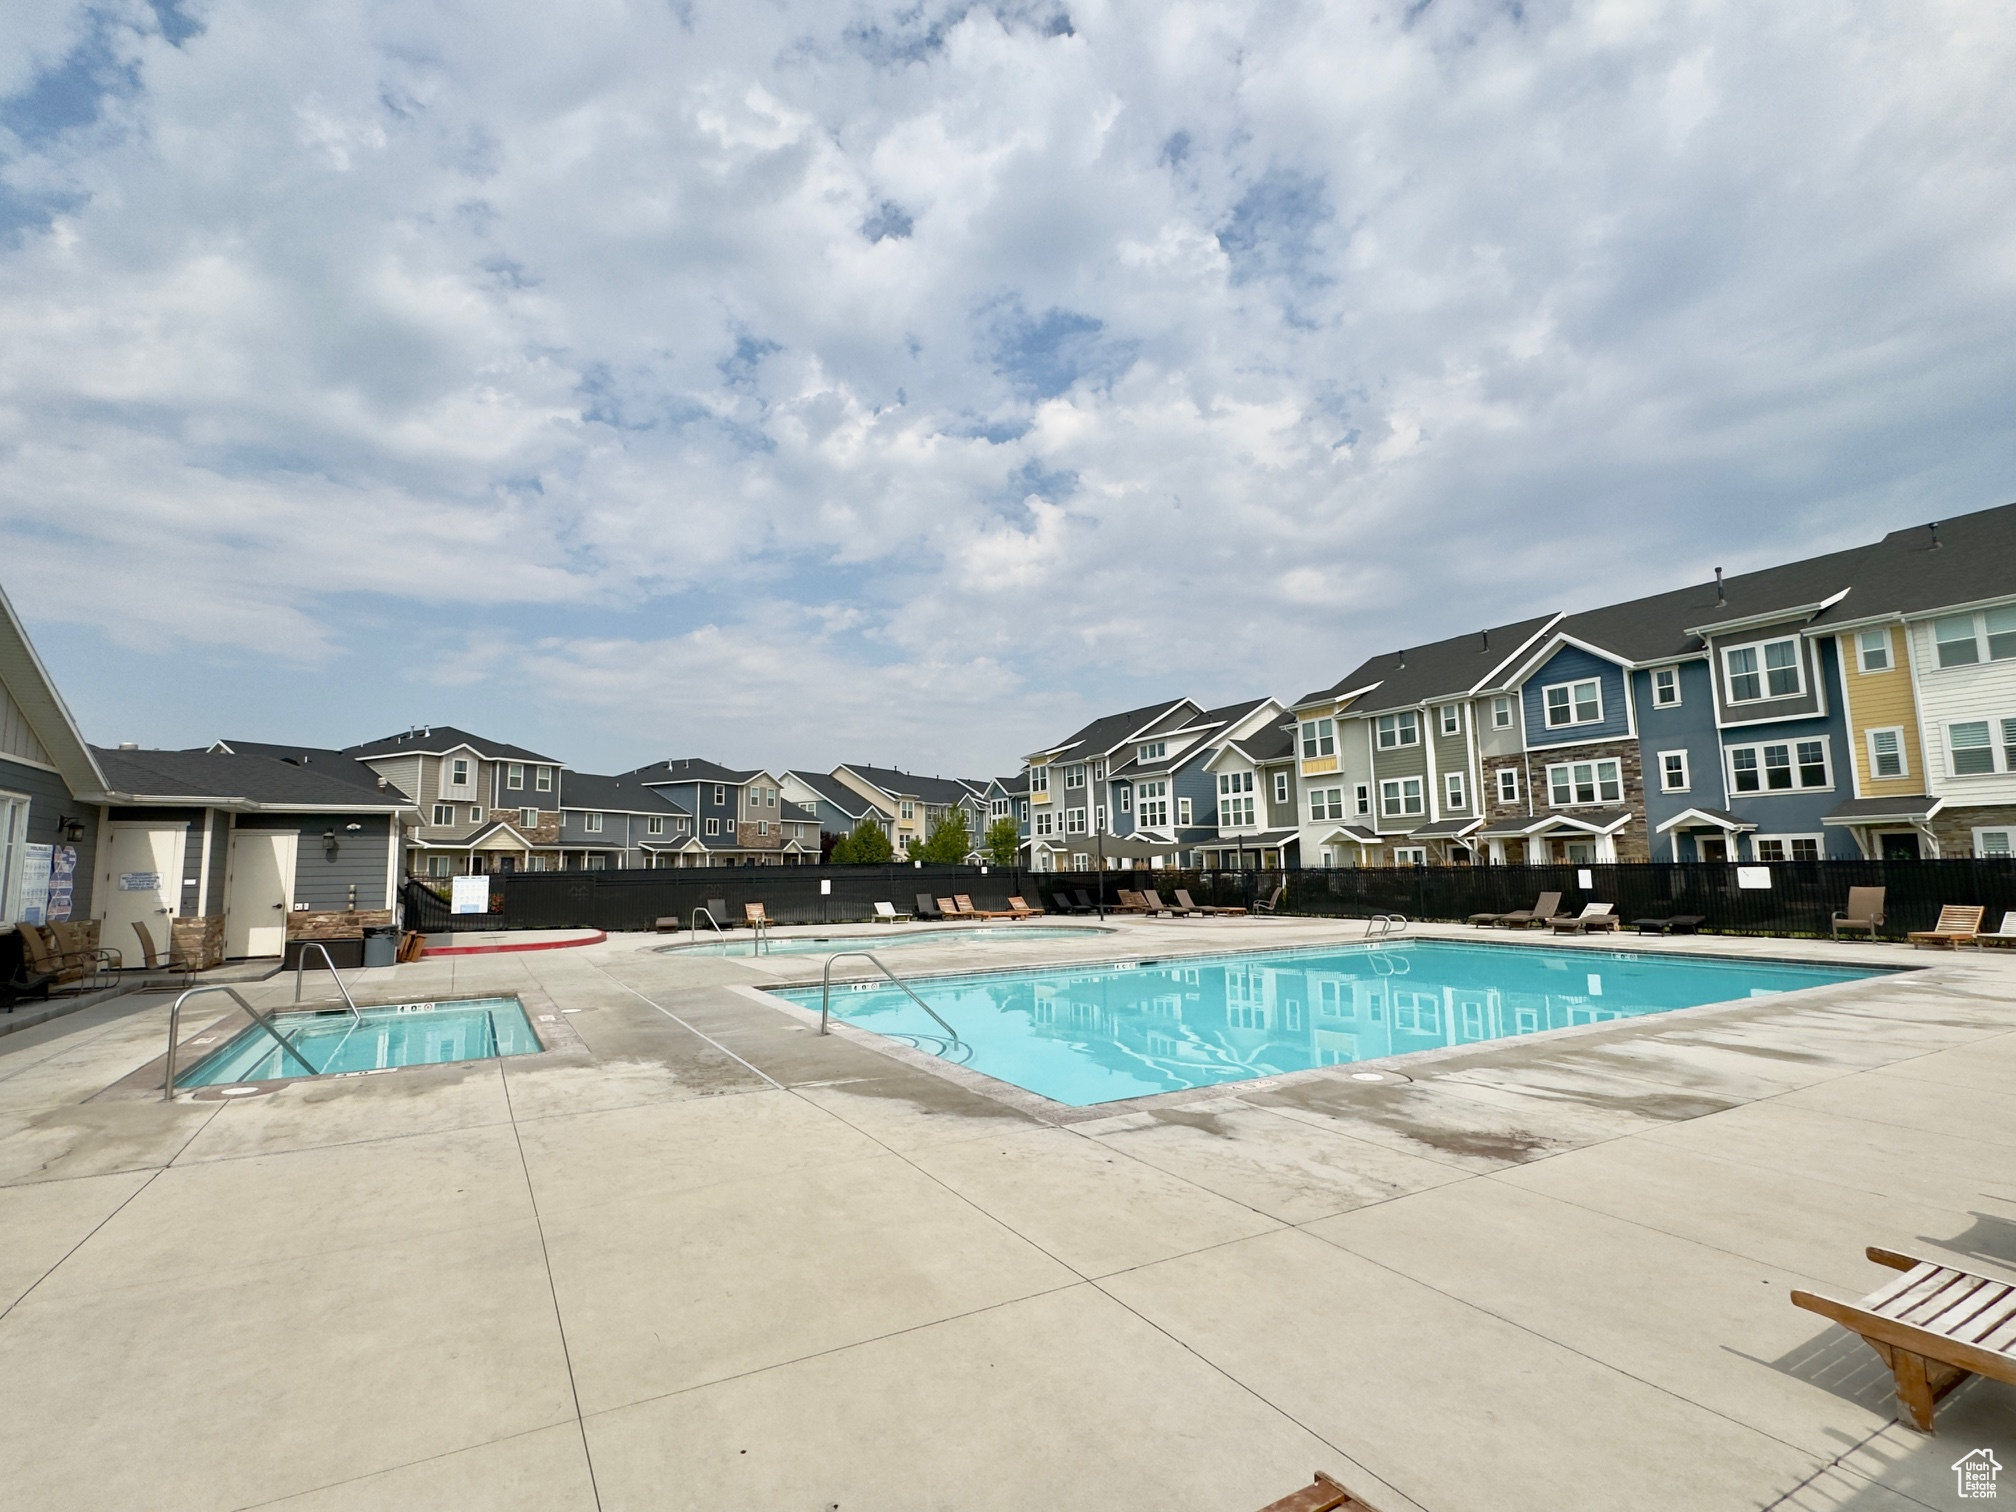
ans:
(51, 797)
(1165, 791)
(916, 804)
(485, 805)
(741, 818)
(839, 809)
(620, 823)
(1070, 805)
(1256, 790)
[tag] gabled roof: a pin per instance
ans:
(614, 795)
(1441, 670)
(328, 762)
(945, 790)
(837, 793)
(1905, 573)
(1107, 733)
(221, 780)
(439, 740)
(28, 682)
(690, 769)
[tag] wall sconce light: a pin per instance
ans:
(72, 829)
(329, 845)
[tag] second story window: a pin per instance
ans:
(1872, 650)
(475, 814)
(514, 775)
(1665, 687)
(542, 779)
(1507, 779)
(458, 772)
(1452, 719)
(1454, 798)
(1573, 703)
(528, 818)
(1673, 772)
(1402, 729)
(1280, 787)
(713, 826)
(720, 795)
(1183, 813)
(1098, 771)
(1361, 798)
(1972, 750)
(1501, 713)
(1400, 796)
(1155, 750)
(1886, 753)
(1585, 782)
(1770, 670)
(1319, 739)
(1778, 767)
(1074, 821)
(1126, 799)
(1963, 639)
(592, 823)
(1025, 811)
(1074, 777)
(1326, 803)
(444, 813)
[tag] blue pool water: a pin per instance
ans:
(1097, 1034)
(403, 1034)
(743, 945)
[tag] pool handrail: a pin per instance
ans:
(1385, 926)
(826, 991)
(175, 1019)
(693, 924)
(301, 963)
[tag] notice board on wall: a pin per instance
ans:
(35, 864)
(62, 883)
(471, 895)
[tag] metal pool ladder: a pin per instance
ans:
(693, 924)
(1385, 926)
(826, 994)
(175, 1020)
(301, 962)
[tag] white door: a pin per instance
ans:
(140, 883)
(259, 891)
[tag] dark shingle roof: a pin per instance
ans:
(837, 793)
(689, 769)
(436, 740)
(224, 778)
(947, 790)
(615, 795)
(1904, 573)
(329, 763)
(1103, 734)
(1441, 669)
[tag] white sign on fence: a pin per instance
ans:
(1753, 876)
(471, 895)
(1585, 879)
(825, 887)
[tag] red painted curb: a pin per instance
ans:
(461, 950)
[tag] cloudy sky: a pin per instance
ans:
(797, 383)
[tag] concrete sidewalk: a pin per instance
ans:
(696, 1256)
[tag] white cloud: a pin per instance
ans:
(1194, 347)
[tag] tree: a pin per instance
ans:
(948, 842)
(1004, 842)
(841, 851)
(866, 846)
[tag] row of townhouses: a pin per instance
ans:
(1861, 703)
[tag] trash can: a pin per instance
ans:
(381, 946)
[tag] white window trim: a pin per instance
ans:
(1501, 712)
(1410, 855)
(1498, 777)
(1764, 693)
(591, 824)
(1792, 741)
(1403, 735)
(1454, 796)
(1571, 721)
(1667, 703)
(1280, 787)
(1361, 798)
(1997, 748)
(475, 813)
(1686, 773)
(528, 818)
(1399, 784)
(1598, 763)
(1889, 651)
(542, 780)
(1820, 841)
(443, 815)
(2008, 831)
(654, 824)
(1184, 811)
(1449, 720)
(1903, 755)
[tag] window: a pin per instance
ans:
(1098, 771)
(1183, 811)
(909, 810)
(1081, 861)
(1361, 798)
(514, 775)
(1025, 811)
(1452, 719)
(475, 814)
(444, 813)
(1155, 750)
(594, 861)
(458, 772)
(720, 795)
(1319, 738)
(1235, 812)
(529, 818)
(1453, 796)
(2001, 627)
(1099, 817)
(763, 827)
(542, 779)
(1958, 637)
(1039, 779)
(1778, 768)
(1074, 821)
(1043, 822)
(1280, 787)
(654, 824)
(1074, 778)
(1501, 713)
(592, 823)
(1973, 753)
(1399, 730)
(1508, 784)
(1886, 753)
(1585, 782)
(1400, 796)
(1126, 799)
(1995, 842)
(13, 852)
(1785, 847)
(1154, 804)
(1666, 688)
(1872, 650)
(440, 866)
(1326, 803)
(713, 826)
(1573, 703)
(1410, 855)
(1673, 772)
(1770, 670)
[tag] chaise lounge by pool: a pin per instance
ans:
(377, 1039)
(739, 945)
(1092, 1034)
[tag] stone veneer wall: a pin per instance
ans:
(1632, 841)
(200, 939)
(337, 924)
(1955, 827)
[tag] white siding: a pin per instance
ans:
(1985, 690)
(16, 737)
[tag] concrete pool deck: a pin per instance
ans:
(695, 1256)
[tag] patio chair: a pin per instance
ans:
(1183, 897)
(1958, 925)
(927, 907)
(172, 960)
(1321, 1495)
(26, 983)
(885, 913)
(1594, 917)
(754, 914)
(667, 925)
(1543, 912)
(1273, 899)
(66, 966)
(1486, 920)
(1864, 911)
(717, 910)
(1675, 924)
(1934, 1326)
(1085, 903)
(947, 908)
(1154, 900)
(2006, 935)
(1021, 910)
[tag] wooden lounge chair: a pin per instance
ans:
(1864, 912)
(1934, 1326)
(1543, 912)
(947, 908)
(927, 907)
(171, 960)
(1130, 902)
(1183, 897)
(968, 911)
(754, 914)
(1675, 924)
(1959, 924)
(1019, 910)
(2006, 935)
(1594, 916)
(885, 913)
(668, 925)
(1321, 1495)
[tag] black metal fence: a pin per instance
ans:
(1800, 900)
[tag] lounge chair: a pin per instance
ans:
(885, 913)
(1321, 1495)
(1864, 911)
(1183, 897)
(1065, 905)
(947, 908)
(1543, 912)
(1958, 925)
(1273, 900)
(927, 907)
(1934, 1326)
(171, 960)
(667, 925)
(717, 910)
(1594, 917)
(1486, 920)
(1019, 910)
(2006, 935)
(1154, 901)
(968, 911)
(1130, 902)
(754, 914)
(1085, 903)
(1674, 924)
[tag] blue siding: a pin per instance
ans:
(1690, 727)
(1572, 664)
(1799, 812)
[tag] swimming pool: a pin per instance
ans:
(399, 1034)
(1095, 1034)
(831, 944)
